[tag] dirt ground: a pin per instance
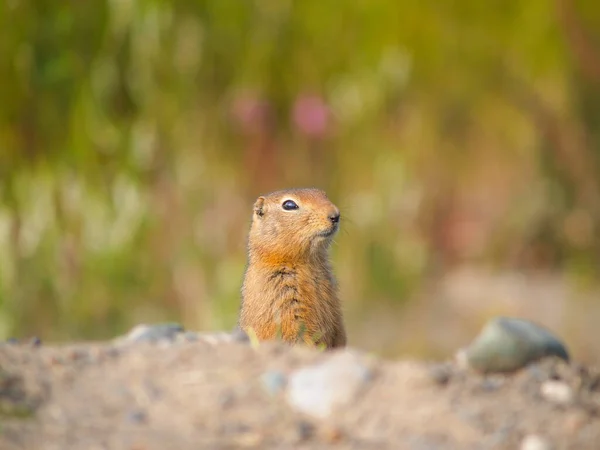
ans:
(206, 395)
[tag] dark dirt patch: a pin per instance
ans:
(193, 395)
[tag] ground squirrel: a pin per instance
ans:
(289, 289)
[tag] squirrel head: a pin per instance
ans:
(292, 224)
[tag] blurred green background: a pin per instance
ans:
(460, 139)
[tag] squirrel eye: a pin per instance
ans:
(289, 205)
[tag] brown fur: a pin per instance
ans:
(289, 288)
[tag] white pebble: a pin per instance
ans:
(534, 442)
(317, 390)
(557, 392)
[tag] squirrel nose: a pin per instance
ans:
(334, 217)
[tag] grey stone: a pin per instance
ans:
(240, 335)
(507, 344)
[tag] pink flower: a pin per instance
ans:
(311, 116)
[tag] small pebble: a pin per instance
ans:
(305, 430)
(535, 442)
(557, 392)
(508, 344)
(440, 374)
(136, 416)
(240, 335)
(153, 333)
(318, 389)
(273, 382)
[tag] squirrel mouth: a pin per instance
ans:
(330, 232)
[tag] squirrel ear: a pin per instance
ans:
(258, 207)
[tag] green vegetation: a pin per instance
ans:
(134, 136)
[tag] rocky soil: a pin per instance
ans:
(201, 393)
